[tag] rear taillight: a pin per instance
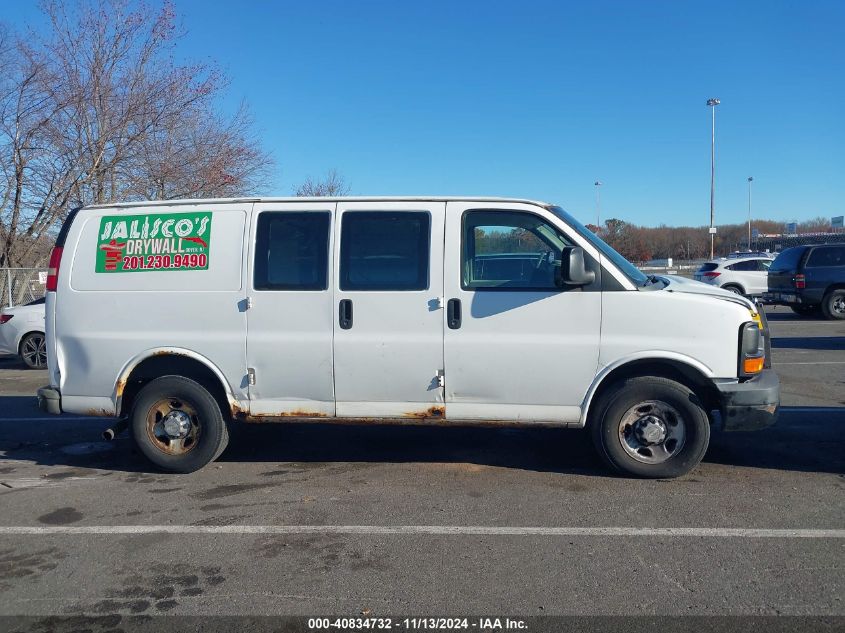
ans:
(5, 318)
(799, 281)
(53, 268)
(711, 275)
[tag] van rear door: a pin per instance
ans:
(137, 281)
(289, 321)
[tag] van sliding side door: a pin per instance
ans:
(387, 314)
(289, 318)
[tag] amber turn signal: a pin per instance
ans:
(752, 365)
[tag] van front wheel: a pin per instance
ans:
(650, 427)
(177, 424)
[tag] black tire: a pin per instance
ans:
(734, 289)
(691, 427)
(805, 310)
(833, 304)
(33, 350)
(207, 436)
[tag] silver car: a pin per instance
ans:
(22, 333)
(743, 275)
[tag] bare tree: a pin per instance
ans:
(332, 185)
(26, 119)
(96, 111)
(199, 156)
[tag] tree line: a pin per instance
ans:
(641, 244)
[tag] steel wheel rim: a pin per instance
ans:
(34, 351)
(838, 305)
(652, 432)
(157, 426)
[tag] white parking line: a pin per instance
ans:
(416, 530)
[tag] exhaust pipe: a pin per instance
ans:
(110, 433)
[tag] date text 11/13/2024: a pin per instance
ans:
(418, 623)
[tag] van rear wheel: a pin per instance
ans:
(651, 427)
(177, 424)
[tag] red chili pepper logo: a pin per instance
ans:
(197, 240)
(114, 253)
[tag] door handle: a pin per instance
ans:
(453, 314)
(345, 314)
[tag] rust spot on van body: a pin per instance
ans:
(238, 414)
(432, 412)
(301, 414)
(421, 418)
(168, 352)
(119, 387)
(99, 413)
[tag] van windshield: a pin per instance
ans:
(628, 269)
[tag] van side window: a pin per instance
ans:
(509, 250)
(827, 256)
(292, 251)
(384, 250)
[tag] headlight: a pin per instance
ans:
(751, 349)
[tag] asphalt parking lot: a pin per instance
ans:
(517, 519)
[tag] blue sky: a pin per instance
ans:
(540, 99)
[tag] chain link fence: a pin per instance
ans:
(21, 285)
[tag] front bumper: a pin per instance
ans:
(50, 400)
(750, 405)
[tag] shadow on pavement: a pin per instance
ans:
(806, 439)
(46, 442)
(15, 362)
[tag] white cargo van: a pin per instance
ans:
(182, 317)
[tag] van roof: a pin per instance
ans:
(148, 203)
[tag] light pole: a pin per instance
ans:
(598, 202)
(750, 180)
(712, 103)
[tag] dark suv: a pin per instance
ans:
(809, 279)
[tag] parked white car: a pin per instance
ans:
(745, 276)
(22, 333)
(181, 317)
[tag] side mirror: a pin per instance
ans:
(573, 271)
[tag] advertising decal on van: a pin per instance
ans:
(154, 241)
